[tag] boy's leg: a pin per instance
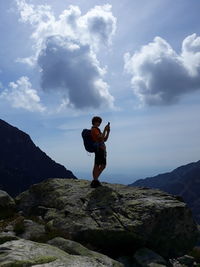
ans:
(97, 170)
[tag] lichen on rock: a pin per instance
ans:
(115, 219)
(28, 253)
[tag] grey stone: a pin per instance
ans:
(186, 260)
(75, 248)
(32, 230)
(7, 236)
(7, 205)
(28, 253)
(146, 257)
(115, 218)
(9, 228)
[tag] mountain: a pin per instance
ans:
(22, 163)
(183, 181)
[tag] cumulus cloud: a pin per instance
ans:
(160, 76)
(65, 49)
(75, 70)
(21, 95)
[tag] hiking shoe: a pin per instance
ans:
(95, 184)
(98, 183)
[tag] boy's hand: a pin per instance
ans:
(107, 128)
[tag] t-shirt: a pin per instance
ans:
(95, 132)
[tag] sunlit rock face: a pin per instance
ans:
(114, 219)
(28, 253)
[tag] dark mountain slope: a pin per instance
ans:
(22, 163)
(183, 181)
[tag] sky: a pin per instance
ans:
(135, 63)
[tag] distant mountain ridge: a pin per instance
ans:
(183, 181)
(22, 163)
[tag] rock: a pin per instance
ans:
(7, 205)
(115, 219)
(28, 253)
(196, 254)
(146, 257)
(9, 228)
(75, 248)
(32, 230)
(128, 261)
(183, 181)
(186, 260)
(7, 236)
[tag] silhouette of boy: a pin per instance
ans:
(100, 149)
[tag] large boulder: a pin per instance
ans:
(148, 258)
(74, 248)
(32, 230)
(115, 219)
(28, 253)
(7, 205)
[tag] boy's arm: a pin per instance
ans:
(106, 132)
(102, 137)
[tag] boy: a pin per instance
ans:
(100, 150)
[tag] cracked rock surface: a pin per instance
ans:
(113, 218)
(28, 253)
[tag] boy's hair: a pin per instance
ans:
(96, 119)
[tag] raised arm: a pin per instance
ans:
(106, 132)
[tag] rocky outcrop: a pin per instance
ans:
(22, 163)
(32, 230)
(146, 257)
(7, 205)
(114, 219)
(28, 253)
(75, 248)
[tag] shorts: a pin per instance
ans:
(100, 157)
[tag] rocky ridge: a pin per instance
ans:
(22, 163)
(183, 181)
(75, 224)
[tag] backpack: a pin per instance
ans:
(88, 142)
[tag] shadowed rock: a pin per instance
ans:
(22, 163)
(148, 258)
(115, 219)
(7, 205)
(74, 248)
(183, 181)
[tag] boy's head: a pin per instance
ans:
(96, 120)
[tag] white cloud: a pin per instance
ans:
(65, 49)
(73, 70)
(99, 24)
(160, 76)
(21, 95)
(191, 54)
